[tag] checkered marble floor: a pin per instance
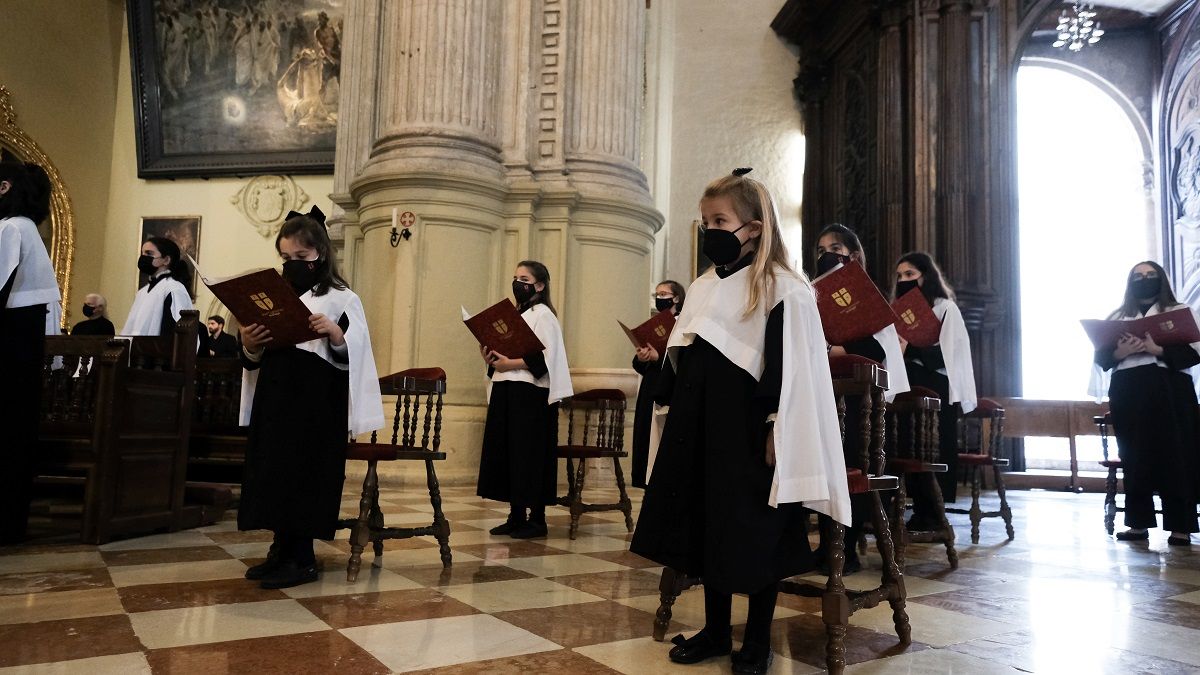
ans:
(1061, 598)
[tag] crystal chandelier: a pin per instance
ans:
(1081, 29)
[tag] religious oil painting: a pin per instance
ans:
(235, 87)
(183, 230)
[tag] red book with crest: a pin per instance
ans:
(850, 305)
(653, 332)
(1176, 327)
(501, 329)
(918, 325)
(263, 297)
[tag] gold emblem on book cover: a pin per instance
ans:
(1167, 325)
(908, 316)
(500, 326)
(263, 301)
(660, 331)
(842, 297)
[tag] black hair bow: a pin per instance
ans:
(314, 213)
(742, 171)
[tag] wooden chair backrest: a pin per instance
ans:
(865, 381)
(981, 430)
(418, 393)
(596, 418)
(913, 425)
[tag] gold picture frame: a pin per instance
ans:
(62, 218)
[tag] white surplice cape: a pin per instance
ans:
(366, 403)
(809, 465)
(956, 352)
(21, 249)
(893, 362)
(558, 374)
(145, 317)
(1099, 381)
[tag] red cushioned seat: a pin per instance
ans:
(385, 452)
(980, 460)
(910, 465)
(843, 365)
(916, 393)
(857, 481)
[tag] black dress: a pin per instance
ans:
(98, 326)
(1157, 427)
(517, 463)
(643, 417)
(296, 449)
(705, 511)
(22, 344)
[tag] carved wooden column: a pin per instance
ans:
(894, 179)
(952, 243)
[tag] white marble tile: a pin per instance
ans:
(932, 662)
(503, 596)
(133, 663)
(35, 607)
(48, 562)
(416, 645)
(584, 543)
(169, 540)
(931, 625)
(219, 623)
(370, 580)
(561, 564)
(258, 549)
(688, 609)
(176, 572)
(398, 559)
(644, 656)
(1193, 597)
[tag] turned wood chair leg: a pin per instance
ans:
(976, 512)
(441, 526)
(361, 531)
(947, 530)
(835, 606)
(670, 585)
(577, 498)
(1005, 511)
(1110, 499)
(626, 506)
(376, 523)
(892, 574)
(899, 529)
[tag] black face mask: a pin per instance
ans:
(523, 292)
(722, 246)
(903, 287)
(830, 260)
(301, 274)
(1146, 289)
(146, 265)
(88, 311)
(663, 304)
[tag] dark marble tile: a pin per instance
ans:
(1174, 612)
(625, 558)
(1018, 651)
(391, 544)
(996, 608)
(615, 585)
(67, 639)
(462, 573)
(152, 597)
(586, 623)
(241, 537)
(563, 661)
(43, 582)
(38, 547)
(303, 654)
(164, 555)
(362, 609)
(803, 638)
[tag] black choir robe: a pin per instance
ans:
(643, 417)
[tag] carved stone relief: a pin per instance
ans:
(265, 200)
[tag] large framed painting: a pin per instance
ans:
(183, 230)
(235, 87)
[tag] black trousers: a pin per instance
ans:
(22, 344)
(1179, 515)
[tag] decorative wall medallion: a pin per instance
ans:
(266, 199)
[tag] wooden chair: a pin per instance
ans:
(913, 451)
(980, 441)
(418, 393)
(596, 418)
(1104, 423)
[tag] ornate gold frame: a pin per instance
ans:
(62, 218)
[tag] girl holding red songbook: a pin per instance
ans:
(1154, 414)
(517, 464)
(945, 368)
(648, 363)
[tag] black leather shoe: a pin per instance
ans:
(1178, 541)
(699, 647)
(290, 573)
(530, 530)
(507, 527)
(1130, 535)
(263, 569)
(752, 659)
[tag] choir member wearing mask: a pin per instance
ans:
(301, 403)
(648, 363)
(751, 430)
(157, 305)
(517, 464)
(1154, 415)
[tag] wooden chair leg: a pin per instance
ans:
(441, 526)
(1005, 511)
(625, 504)
(361, 531)
(835, 606)
(670, 585)
(899, 530)
(1110, 499)
(577, 498)
(947, 530)
(893, 575)
(975, 512)
(376, 524)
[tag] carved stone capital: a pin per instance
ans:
(265, 200)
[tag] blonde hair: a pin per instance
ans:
(751, 200)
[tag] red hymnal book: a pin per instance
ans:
(1176, 327)
(653, 332)
(263, 297)
(500, 328)
(918, 325)
(851, 306)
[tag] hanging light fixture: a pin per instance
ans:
(1078, 28)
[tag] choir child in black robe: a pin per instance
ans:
(301, 404)
(751, 430)
(29, 310)
(517, 463)
(157, 305)
(838, 245)
(1154, 416)
(946, 368)
(649, 363)
(95, 311)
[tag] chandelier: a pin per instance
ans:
(1081, 29)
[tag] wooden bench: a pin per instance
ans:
(1054, 419)
(115, 419)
